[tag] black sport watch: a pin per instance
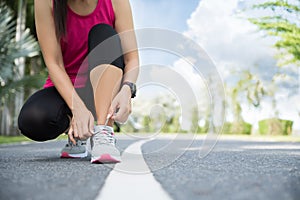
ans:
(132, 87)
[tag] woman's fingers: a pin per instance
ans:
(70, 134)
(75, 130)
(91, 125)
(112, 109)
(123, 113)
(86, 127)
(83, 130)
(118, 116)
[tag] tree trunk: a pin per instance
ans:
(20, 62)
(5, 120)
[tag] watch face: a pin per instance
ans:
(132, 88)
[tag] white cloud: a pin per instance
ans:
(230, 40)
(194, 80)
(187, 86)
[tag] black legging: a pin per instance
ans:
(44, 116)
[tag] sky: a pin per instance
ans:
(233, 43)
(162, 13)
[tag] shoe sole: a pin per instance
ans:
(78, 155)
(105, 158)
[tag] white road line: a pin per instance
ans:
(132, 179)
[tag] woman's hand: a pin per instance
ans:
(121, 105)
(82, 123)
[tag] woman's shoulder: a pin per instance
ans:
(114, 3)
(118, 4)
(44, 3)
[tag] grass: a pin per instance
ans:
(270, 138)
(13, 139)
(289, 138)
(21, 138)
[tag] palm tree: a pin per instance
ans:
(12, 77)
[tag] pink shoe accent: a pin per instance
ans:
(105, 158)
(79, 155)
(65, 155)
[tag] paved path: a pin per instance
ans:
(235, 169)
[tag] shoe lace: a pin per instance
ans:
(78, 143)
(104, 136)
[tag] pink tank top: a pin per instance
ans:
(74, 45)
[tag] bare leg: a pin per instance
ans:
(105, 80)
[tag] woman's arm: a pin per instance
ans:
(52, 54)
(124, 26)
(51, 49)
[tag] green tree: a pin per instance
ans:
(195, 120)
(147, 124)
(249, 88)
(283, 24)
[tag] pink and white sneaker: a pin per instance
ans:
(103, 146)
(74, 151)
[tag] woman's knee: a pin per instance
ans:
(99, 33)
(105, 47)
(29, 122)
(36, 124)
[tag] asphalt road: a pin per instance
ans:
(235, 169)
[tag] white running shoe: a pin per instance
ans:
(103, 146)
